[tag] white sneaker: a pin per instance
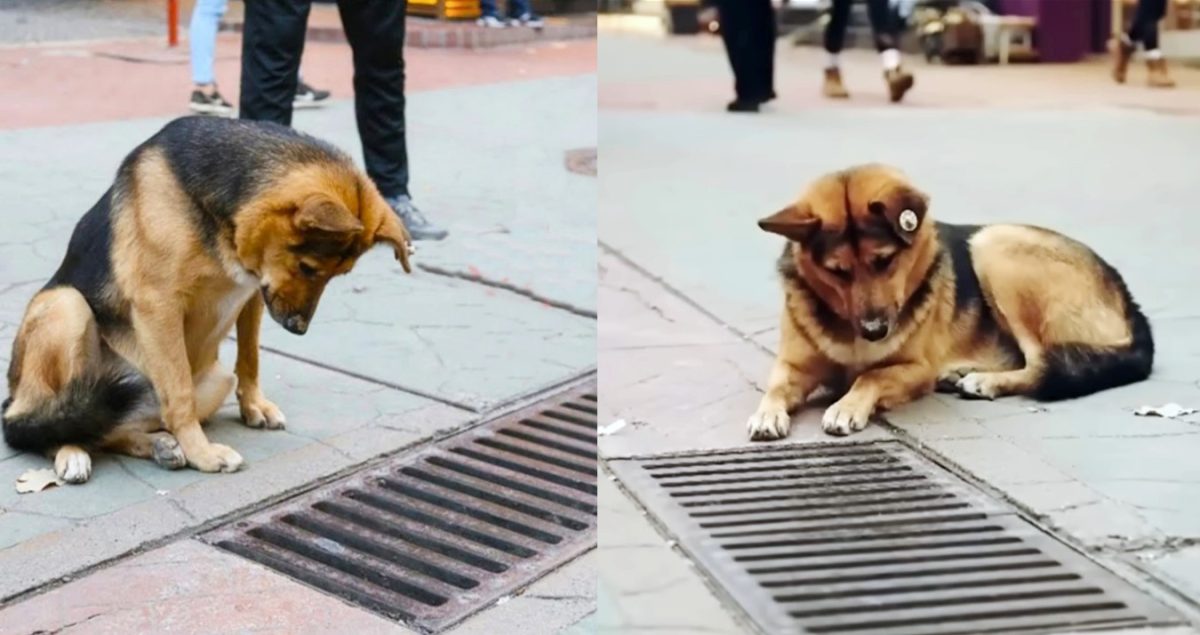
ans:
(490, 22)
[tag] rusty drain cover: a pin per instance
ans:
(433, 536)
(874, 538)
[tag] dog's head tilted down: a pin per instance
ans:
(314, 226)
(863, 243)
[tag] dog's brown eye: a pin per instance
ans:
(881, 263)
(307, 271)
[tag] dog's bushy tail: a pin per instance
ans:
(83, 412)
(1075, 370)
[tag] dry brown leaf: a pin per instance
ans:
(34, 481)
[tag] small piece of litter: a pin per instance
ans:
(358, 288)
(612, 477)
(34, 481)
(671, 544)
(161, 492)
(1169, 411)
(1035, 409)
(503, 600)
(611, 428)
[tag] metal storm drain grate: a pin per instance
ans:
(873, 538)
(433, 536)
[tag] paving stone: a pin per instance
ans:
(188, 587)
(1181, 568)
(552, 605)
(680, 380)
(645, 585)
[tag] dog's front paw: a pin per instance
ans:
(260, 412)
(849, 414)
(73, 464)
(215, 458)
(977, 386)
(768, 424)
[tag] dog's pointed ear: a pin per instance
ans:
(794, 222)
(905, 210)
(392, 231)
(322, 215)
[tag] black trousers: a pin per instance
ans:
(748, 30)
(883, 23)
(1144, 28)
(272, 43)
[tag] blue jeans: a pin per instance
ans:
(202, 37)
(516, 8)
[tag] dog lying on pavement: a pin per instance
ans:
(884, 305)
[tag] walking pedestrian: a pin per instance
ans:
(1143, 31)
(748, 31)
(886, 29)
(272, 43)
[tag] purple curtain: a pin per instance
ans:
(1065, 28)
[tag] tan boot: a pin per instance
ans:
(1158, 77)
(899, 82)
(1121, 51)
(833, 87)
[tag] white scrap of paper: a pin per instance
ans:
(1170, 411)
(503, 600)
(611, 428)
(34, 481)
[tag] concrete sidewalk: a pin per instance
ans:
(392, 362)
(690, 301)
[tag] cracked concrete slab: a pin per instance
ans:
(554, 604)
(528, 221)
(334, 422)
(188, 587)
(645, 584)
(681, 380)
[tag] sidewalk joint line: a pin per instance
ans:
(512, 288)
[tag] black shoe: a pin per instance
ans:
(308, 97)
(417, 225)
(210, 104)
(742, 105)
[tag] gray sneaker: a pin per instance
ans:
(418, 226)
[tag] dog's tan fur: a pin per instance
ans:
(182, 299)
(1042, 288)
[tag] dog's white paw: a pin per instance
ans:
(768, 424)
(215, 457)
(846, 416)
(73, 465)
(976, 386)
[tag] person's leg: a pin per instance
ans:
(835, 38)
(1143, 28)
(202, 39)
(733, 17)
(887, 42)
(376, 34)
(202, 44)
(272, 44)
(764, 46)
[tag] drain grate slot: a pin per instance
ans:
(431, 537)
(874, 539)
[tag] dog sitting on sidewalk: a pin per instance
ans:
(884, 301)
(208, 222)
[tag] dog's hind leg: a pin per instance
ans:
(145, 439)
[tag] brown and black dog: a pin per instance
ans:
(885, 305)
(206, 223)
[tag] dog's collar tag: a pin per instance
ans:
(909, 220)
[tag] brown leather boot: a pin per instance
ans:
(1158, 77)
(899, 82)
(833, 87)
(1122, 51)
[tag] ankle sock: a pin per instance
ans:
(1155, 54)
(891, 59)
(831, 60)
